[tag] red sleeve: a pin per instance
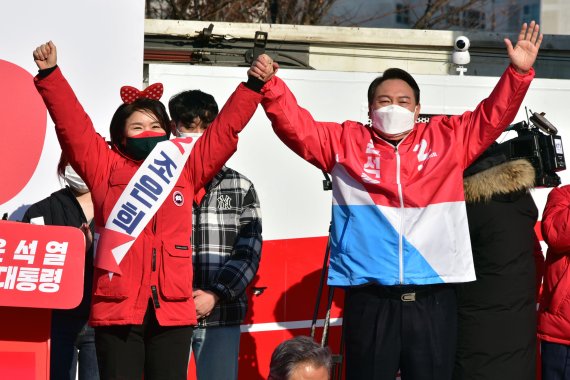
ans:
(86, 150)
(478, 129)
(220, 139)
(555, 220)
(316, 142)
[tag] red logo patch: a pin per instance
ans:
(178, 198)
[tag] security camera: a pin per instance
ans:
(462, 43)
(460, 55)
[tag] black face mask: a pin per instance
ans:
(139, 148)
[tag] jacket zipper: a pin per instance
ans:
(401, 229)
(154, 293)
(401, 198)
(196, 238)
(153, 289)
(195, 226)
(202, 277)
(402, 208)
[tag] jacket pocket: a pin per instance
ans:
(118, 181)
(121, 177)
(115, 289)
(175, 277)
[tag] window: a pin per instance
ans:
(402, 14)
(473, 19)
(531, 12)
(452, 15)
(514, 19)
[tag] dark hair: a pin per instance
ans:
(185, 106)
(290, 353)
(394, 73)
(149, 106)
(63, 162)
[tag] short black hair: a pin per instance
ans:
(394, 73)
(292, 352)
(144, 105)
(185, 106)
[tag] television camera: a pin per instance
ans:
(538, 142)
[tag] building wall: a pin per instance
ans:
(555, 15)
(353, 49)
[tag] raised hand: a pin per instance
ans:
(263, 68)
(525, 51)
(45, 56)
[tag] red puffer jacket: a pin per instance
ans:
(554, 310)
(158, 266)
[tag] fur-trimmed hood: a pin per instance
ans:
(505, 178)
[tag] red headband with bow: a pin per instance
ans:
(130, 94)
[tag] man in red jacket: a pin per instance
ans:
(554, 310)
(399, 233)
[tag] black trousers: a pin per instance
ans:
(159, 352)
(555, 361)
(410, 328)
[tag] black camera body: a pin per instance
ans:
(538, 143)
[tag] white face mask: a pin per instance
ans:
(74, 180)
(393, 120)
(194, 135)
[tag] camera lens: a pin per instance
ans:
(460, 44)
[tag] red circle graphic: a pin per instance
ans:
(22, 131)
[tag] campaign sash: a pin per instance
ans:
(139, 202)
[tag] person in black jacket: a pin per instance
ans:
(72, 340)
(497, 312)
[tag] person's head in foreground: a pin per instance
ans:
(140, 122)
(300, 358)
(394, 104)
